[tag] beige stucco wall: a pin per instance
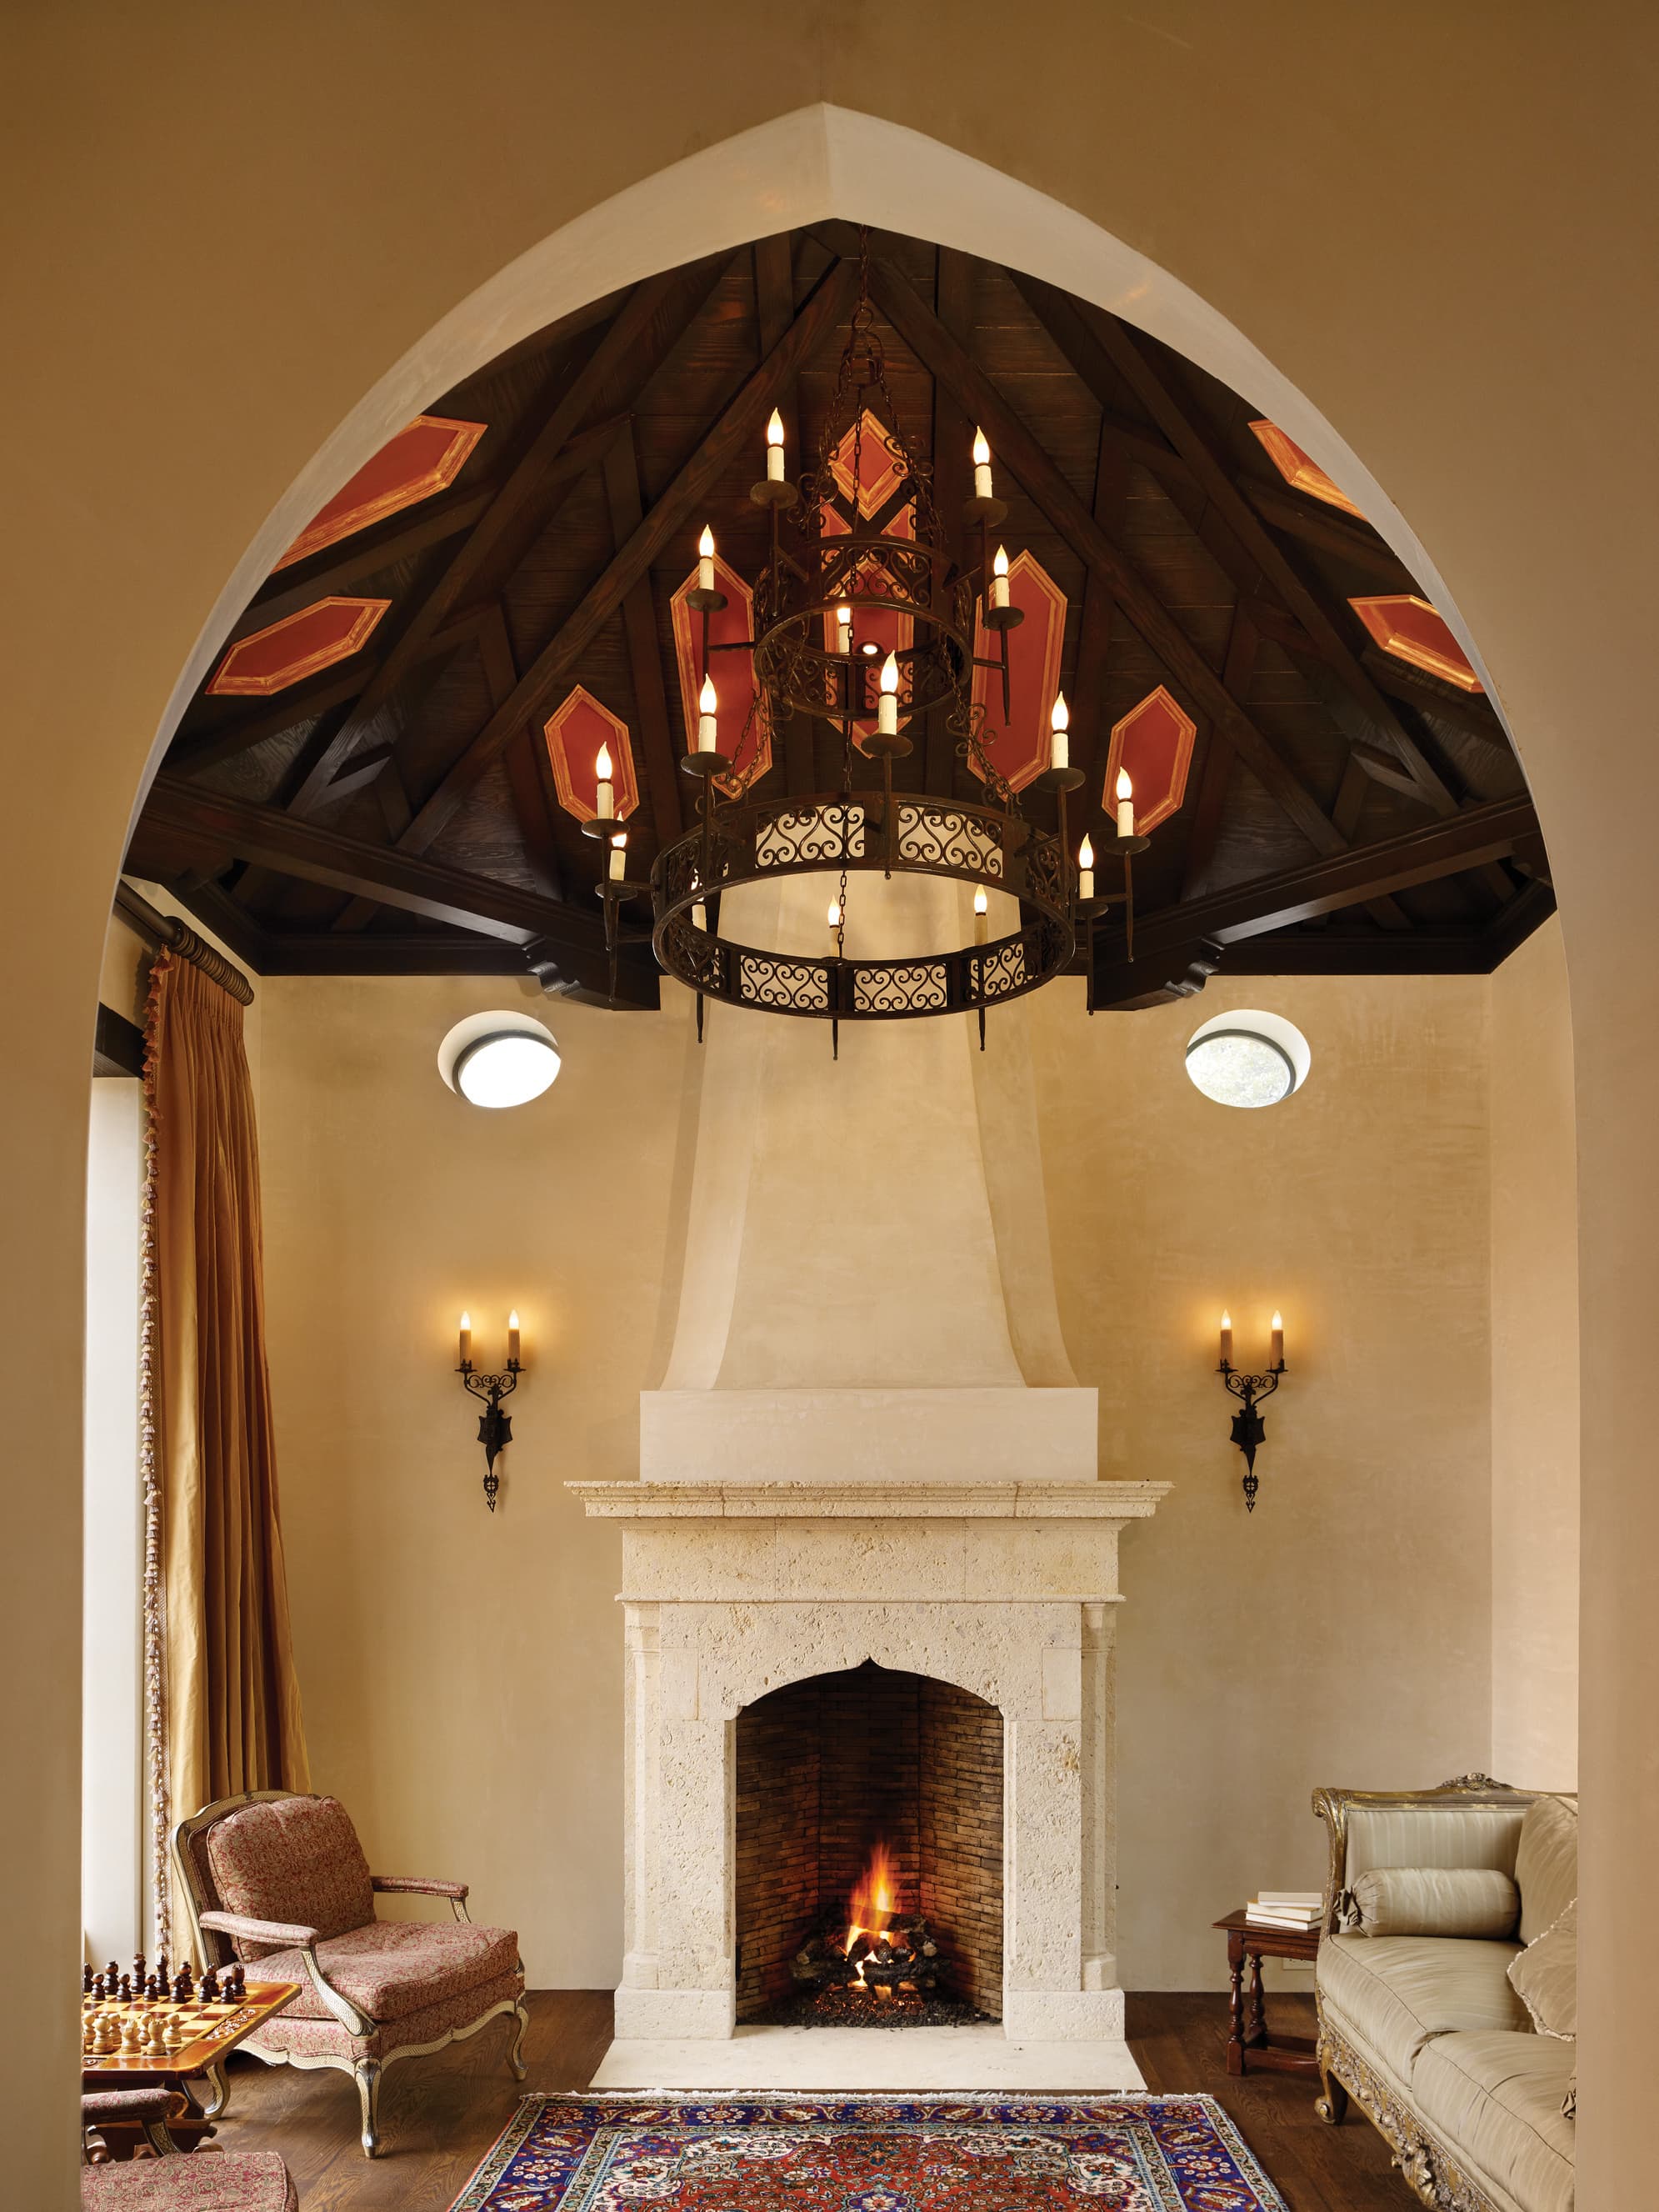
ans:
(202, 310)
(1535, 1372)
(462, 1675)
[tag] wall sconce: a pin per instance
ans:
(1248, 1427)
(495, 1427)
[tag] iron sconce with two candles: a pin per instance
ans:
(1248, 1427)
(495, 1427)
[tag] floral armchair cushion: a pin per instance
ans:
(296, 1860)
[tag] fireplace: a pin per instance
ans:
(869, 1835)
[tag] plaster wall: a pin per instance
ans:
(1535, 1373)
(202, 318)
(463, 1676)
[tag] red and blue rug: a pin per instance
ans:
(652, 2152)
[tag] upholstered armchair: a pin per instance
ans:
(207, 2181)
(279, 1881)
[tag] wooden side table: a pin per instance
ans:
(1251, 2036)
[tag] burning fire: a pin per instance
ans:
(874, 1905)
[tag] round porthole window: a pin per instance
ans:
(1247, 1058)
(499, 1060)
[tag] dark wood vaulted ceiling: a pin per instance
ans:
(396, 813)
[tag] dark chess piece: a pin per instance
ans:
(161, 1972)
(111, 1977)
(86, 1981)
(126, 1989)
(100, 1988)
(210, 1985)
(140, 1968)
(152, 1988)
(181, 1984)
(239, 1981)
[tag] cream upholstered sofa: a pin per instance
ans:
(1428, 2031)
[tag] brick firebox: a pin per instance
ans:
(827, 1767)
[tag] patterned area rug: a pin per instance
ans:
(1000, 2153)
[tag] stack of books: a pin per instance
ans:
(1299, 1910)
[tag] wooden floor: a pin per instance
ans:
(440, 2115)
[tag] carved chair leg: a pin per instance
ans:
(1333, 2106)
(515, 2056)
(220, 2098)
(368, 2073)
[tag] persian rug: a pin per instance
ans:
(716, 2152)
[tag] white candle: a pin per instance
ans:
(775, 448)
(466, 1339)
(512, 1337)
(981, 902)
(1226, 1338)
(835, 917)
(706, 560)
(618, 856)
(1059, 744)
(1126, 804)
(999, 578)
(1278, 1358)
(605, 791)
(706, 704)
(887, 705)
(1086, 869)
(981, 466)
(700, 916)
(843, 630)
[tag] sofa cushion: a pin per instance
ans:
(1398, 1990)
(1494, 2100)
(295, 1859)
(1547, 1864)
(1434, 1901)
(1546, 1977)
(394, 1967)
(1447, 1834)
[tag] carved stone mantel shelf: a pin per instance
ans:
(867, 1501)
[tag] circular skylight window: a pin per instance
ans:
(499, 1060)
(1246, 1058)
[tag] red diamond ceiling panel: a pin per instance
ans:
(742, 729)
(1298, 470)
(1018, 742)
(426, 456)
(575, 733)
(1410, 629)
(1154, 743)
(298, 646)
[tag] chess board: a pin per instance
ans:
(196, 2033)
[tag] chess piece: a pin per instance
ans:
(132, 2037)
(155, 2032)
(86, 1979)
(238, 1979)
(182, 1991)
(139, 1970)
(152, 1988)
(178, 2034)
(100, 1991)
(126, 1989)
(210, 1985)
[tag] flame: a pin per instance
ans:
(999, 566)
(875, 1900)
(981, 449)
(774, 429)
(888, 678)
(706, 543)
(1085, 855)
(602, 765)
(1125, 789)
(1060, 717)
(706, 702)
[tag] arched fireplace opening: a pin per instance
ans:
(869, 1851)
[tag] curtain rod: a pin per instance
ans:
(166, 929)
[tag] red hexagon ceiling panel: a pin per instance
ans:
(298, 646)
(1018, 742)
(745, 735)
(1299, 470)
(575, 733)
(1410, 629)
(426, 456)
(1154, 743)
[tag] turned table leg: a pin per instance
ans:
(1258, 2028)
(1236, 2014)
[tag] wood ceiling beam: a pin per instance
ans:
(364, 555)
(663, 780)
(1470, 712)
(738, 423)
(1449, 845)
(228, 735)
(1131, 358)
(1203, 825)
(1314, 524)
(774, 310)
(184, 814)
(1017, 449)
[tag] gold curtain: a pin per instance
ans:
(229, 1702)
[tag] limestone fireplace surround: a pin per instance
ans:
(1002, 1587)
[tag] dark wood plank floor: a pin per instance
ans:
(440, 2115)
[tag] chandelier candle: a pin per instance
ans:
(887, 706)
(843, 630)
(981, 466)
(618, 857)
(999, 575)
(1126, 804)
(775, 448)
(706, 560)
(605, 791)
(707, 706)
(981, 903)
(1086, 869)
(1059, 723)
